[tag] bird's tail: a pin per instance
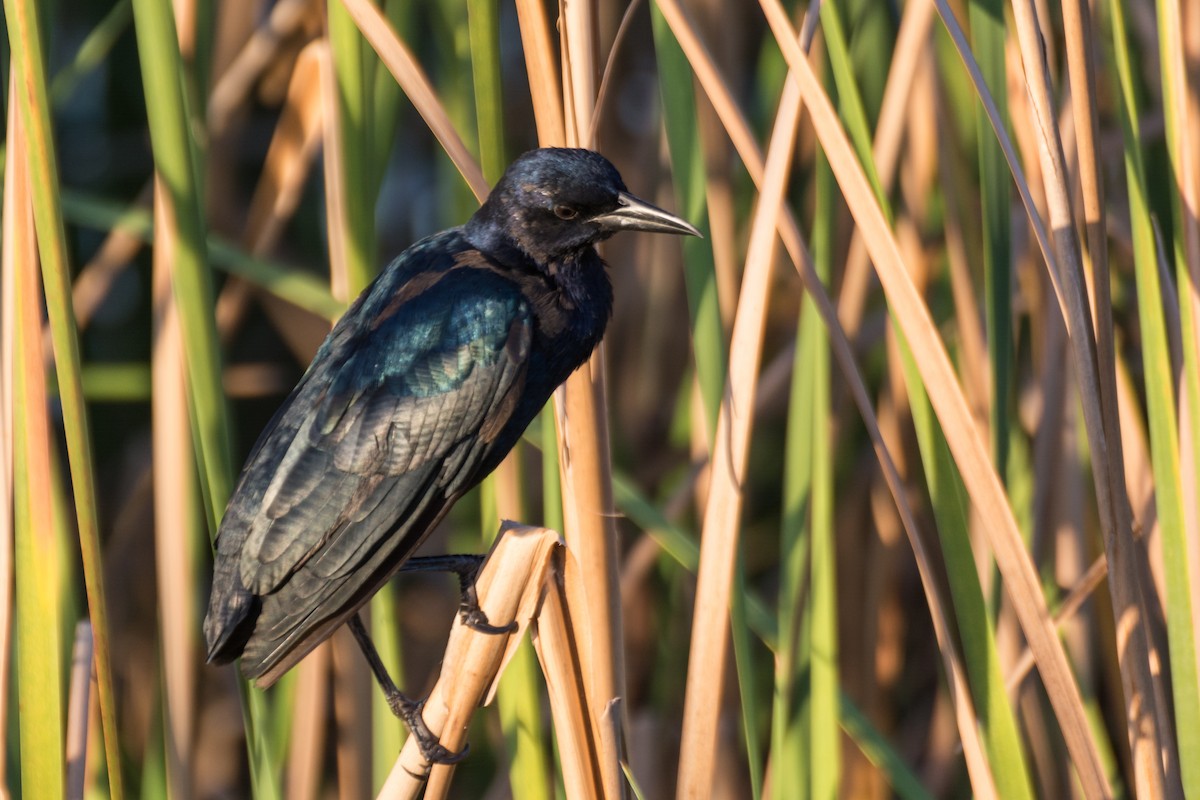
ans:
(232, 613)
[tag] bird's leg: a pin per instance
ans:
(466, 567)
(402, 706)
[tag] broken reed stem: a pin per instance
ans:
(509, 588)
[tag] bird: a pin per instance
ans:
(419, 391)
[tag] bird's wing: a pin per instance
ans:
(377, 420)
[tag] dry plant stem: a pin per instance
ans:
(739, 131)
(307, 745)
(584, 458)
(968, 449)
(1144, 725)
(289, 157)
(562, 659)
(1079, 595)
(412, 79)
(911, 45)
(174, 505)
(238, 79)
(541, 66)
(722, 514)
(509, 588)
(78, 706)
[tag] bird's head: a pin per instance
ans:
(554, 203)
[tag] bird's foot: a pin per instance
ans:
(432, 750)
(474, 617)
(466, 567)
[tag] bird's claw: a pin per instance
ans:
(474, 618)
(432, 750)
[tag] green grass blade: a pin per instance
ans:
(687, 167)
(39, 649)
(483, 17)
(32, 99)
(821, 612)
(1164, 432)
(173, 160)
(977, 630)
(352, 62)
(995, 187)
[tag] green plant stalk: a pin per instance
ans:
(173, 150)
(386, 102)
(987, 39)
(351, 59)
(34, 108)
(687, 167)
(791, 763)
(1164, 433)
(977, 630)
(387, 732)
(823, 739)
(483, 23)
(39, 655)
(173, 161)
(1187, 278)
(849, 100)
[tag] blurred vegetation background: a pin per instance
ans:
(954, 509)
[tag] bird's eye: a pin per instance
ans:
(565, 212)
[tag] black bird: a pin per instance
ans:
(417, 394)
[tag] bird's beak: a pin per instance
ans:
(638, 215)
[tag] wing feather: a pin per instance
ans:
(384, 423)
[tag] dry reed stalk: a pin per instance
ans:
(1145, 721)
(175, 506)
(280, 187)
(79, 705)
(910, 55)
(542, 67)
(510, 588)
(1080, 593)
(969, 451)
(584, 459)
(740, 134)
(722, 515)
(412, 79)
(289, 156)
(309, 723)
(237, 80)
(352, 688)
(563, 656)
(113, 257)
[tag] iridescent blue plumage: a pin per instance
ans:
(419, 391)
